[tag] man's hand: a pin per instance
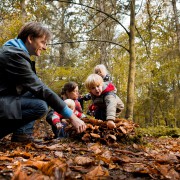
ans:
(111, 124)
(79, 125)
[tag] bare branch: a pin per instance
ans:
(108, 15)
(110, 42)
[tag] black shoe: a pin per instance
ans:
(24, 138)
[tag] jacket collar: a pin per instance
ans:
(17, 43)
(108, 88)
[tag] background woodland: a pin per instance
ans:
(138, 41)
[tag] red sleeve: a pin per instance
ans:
(77, 113)
(57, 114)
(56, 118)
(78, 106)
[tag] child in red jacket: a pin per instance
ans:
(107, 105)
(70, 90)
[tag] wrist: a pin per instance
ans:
(110, 118)
(73, 117)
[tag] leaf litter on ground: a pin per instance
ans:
(97, 153)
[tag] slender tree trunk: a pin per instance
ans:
(105, 30)
(151, 102)
(62, 53)
(132, 64)
(149, 29)
(102, 29)
(23, 10)
(177, 23)
(175, 82)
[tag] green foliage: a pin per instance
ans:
(158, 131)
(9, 30)
(55, 77)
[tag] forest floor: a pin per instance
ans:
(54, 159)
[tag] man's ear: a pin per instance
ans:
(29, 39)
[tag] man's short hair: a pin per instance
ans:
(34, 29)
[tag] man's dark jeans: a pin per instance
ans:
(32, 109)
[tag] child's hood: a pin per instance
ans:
(108, 87)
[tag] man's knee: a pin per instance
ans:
(42, 108)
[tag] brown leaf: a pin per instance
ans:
(97, 173)
(121, 159)
(95, 135)
(58, 154)
(112, 166)
(112, 137)
(168, 158)
(86, 137)
(38, 176)
(107, 154)
(83, 161)
(123, 130)
(5, 158)
(21, 154)
(96, 148)
(19, 175)
(90, 126)
(54, 166)
(125, 158)
(96, 128)
(168, 172)
(135, 146)
(36, 164)
(136, 167)
(55, 147)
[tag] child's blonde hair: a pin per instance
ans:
(70, 103)
(93, 80)
(100, 68)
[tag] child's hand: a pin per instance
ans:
(111, 124)
(59, 126)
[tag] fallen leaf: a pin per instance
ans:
(83, 161)
(97, 173)
(95, 135)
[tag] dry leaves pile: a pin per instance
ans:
(97, 131)
(89, 159)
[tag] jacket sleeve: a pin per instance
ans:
(56, 118)
(120, 106)
(19, 71)
(111, 104)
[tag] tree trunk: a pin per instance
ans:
(102, 29)
(175, 83)
(62, 53)
(177, 23)
(149, 29)
(23, 10)
(132, 64)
